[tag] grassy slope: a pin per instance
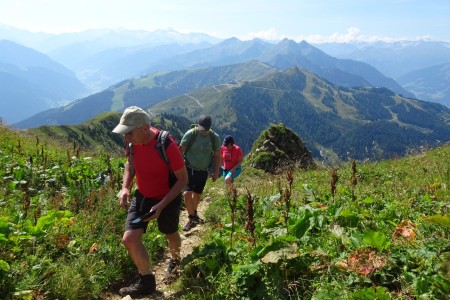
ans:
(385, 234)
(60, 223)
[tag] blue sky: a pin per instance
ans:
(311, 20)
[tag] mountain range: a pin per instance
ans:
(31, 82)
(432, 83)
(421, 67)
(280, 56)
(101, 58)
(145, 91)
(393, 59)
(334, 122)
(340, 106)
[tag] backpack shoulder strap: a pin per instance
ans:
(194, 135)
(192, 139)
(213, 140)
(162, 143)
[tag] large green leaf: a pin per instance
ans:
(3, 239)
(273, 245)
(4, 226)
(286, 253)
(44, 222)
(439, 220)
(376, 239)
(372, 293)
(4, 266)
(302, 226)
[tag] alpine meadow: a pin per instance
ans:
(351, 231)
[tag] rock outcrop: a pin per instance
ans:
(279, 148)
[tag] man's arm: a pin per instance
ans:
(182, 149)
(185, 141)
(182, 180)
(128, 176)
(238, 163)
(217, 164)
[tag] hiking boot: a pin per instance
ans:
(145, 285)
(193, 221)
(172, 271)
(198, 219)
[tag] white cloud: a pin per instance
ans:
(270, 35)
(353, 34)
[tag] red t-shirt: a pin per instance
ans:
(230, 156)
(152, 173)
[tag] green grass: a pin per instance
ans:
(344, 245)
(61, 224)
(380, 233)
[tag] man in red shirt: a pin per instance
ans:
(154, 193)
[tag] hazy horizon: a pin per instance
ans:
(316, 22)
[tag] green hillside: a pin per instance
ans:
(429, 83)
(244, 99)
(335, 123)
(359, 123)
(365, 230)
(96, 134)
(145, 91)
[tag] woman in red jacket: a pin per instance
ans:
(231, 160)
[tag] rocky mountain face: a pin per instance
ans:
(278, 148)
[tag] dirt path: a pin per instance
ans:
(189, 240)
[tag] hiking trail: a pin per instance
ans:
(189, 240)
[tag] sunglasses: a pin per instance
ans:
(130, 133)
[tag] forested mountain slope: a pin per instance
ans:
(351, 123)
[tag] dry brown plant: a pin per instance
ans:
(232, 201)
(250, 224)
(287, 195)
(334, 180)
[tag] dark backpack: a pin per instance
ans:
(162, 142)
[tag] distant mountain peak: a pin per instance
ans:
(230, 41)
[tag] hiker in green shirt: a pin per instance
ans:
(201, 148)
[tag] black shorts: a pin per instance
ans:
(168, 220)
(197, 180)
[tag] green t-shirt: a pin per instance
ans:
(200, 153)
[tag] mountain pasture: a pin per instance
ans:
(377, 229)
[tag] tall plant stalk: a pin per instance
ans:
(250, 224)
(232, 201)
(287, 198)
(334, 180)
(353, 179)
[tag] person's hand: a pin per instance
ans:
(124, 198)
(157, 209)
(214, 176)
(233, 171)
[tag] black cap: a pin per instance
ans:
(228, 140)
(204, 123)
